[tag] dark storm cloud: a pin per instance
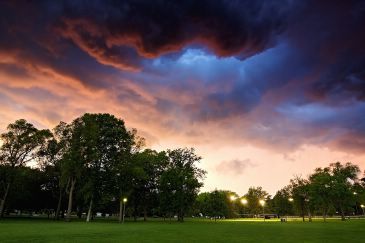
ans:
(122, 34)
(345, 79)
(268, 63)
(31, 33)
(156, 27)
(333, 34)
(28, 42)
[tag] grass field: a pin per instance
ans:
(31, 230)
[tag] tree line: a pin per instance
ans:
(90, 165)
(329, 191)
(94, 162)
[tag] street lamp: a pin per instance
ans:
(124, 203)
(309, 212)
(262, 203)
(232, 198)
(244, 203)
(355, 193)
(290, 199)
(362, 207)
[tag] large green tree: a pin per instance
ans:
(340, 186)
(147, 168)
(282, 202)
(216, 204)
(52, 159)
(320, 190)
(299, 188)
(21, 144)
(253, 196)
(180, 182)
(72, 161)
(101, 143)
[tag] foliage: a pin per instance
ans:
(282, 202)
(253, 196)
(21, 144)
(180, 182)
(147, 168)
(300, 194)
(95, 161)
(215, 204)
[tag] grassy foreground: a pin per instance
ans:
(22, 230)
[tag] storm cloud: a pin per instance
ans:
(274, 74)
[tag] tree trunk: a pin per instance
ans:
(69, 208)
(342, 214)
(2, 205)
(62, 216)
(309, 216)
(303, 214)
(144, 213)
(135, 212)
(325, 215)
(79, 212)
(90, 210)
(120, 210)
(57, 215)
(180, 216)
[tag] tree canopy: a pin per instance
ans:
(96, 164)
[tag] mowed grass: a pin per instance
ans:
(23, 230)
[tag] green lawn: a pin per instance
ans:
(22, 230)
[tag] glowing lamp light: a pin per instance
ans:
(355, 193)
(125, 200)
(232, 197)
(362, 206)
(291, 199)
(262, 202)
(244, 201)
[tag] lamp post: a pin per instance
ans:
(362, 207)
(233, 198)
(290, 200)
(262, 202)
(124, 203)
(355, 193)
(244, 203)
(309, 211)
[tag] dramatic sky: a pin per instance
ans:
(263, 90)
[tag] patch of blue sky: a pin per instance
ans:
(199, 64)
(315, 113)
